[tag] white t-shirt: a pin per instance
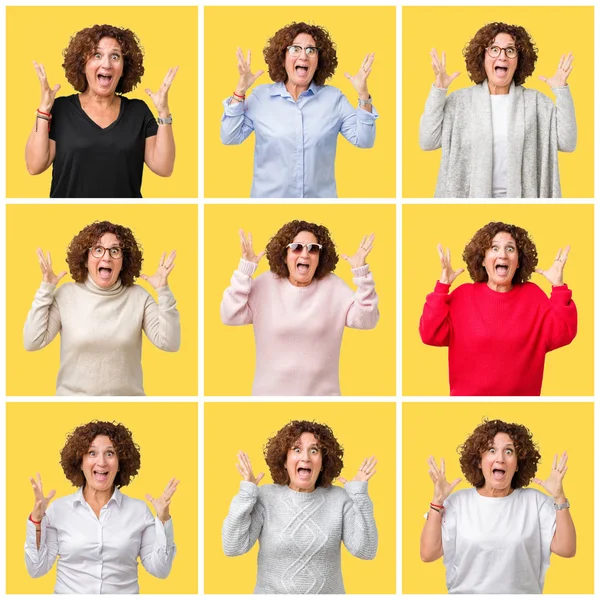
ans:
(500, 145)
(497, 545)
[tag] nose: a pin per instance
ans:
(106, 61)
(304, 252)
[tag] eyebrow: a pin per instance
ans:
(96, 448)
(507, 243)
(115, 49)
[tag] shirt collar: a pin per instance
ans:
(79, 499)
(279, 89)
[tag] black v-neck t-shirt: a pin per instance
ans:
(96, 162)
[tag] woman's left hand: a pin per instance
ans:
(365, 472)
(358, 260)
(159, 279)
(161, 98)
(359, 81)
(559, 79)
(555, 273)
(554, 484)
(161, 504)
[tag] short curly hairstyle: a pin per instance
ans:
(83, 45)
(479, 441)
(80, 440)
(277, 248)
(77, 252)
(474, 51)
(475, 250)
(276, 449)
(274, 51)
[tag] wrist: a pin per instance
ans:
(364, 96)
(164, 114)
(560, 499)
(240, 91)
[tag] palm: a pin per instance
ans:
(160, 98)
(559, 79)
(365, 471)
(553, 484)
(41, 502)
(247, 249)
(441, 487)
(48, 93)
(448, 273)
(48, 274)
(247, 78)
(442, 79)
(244, 468)
(555, 273)
(359, 81)
(162, 503)
(359, 258)
(160, 278)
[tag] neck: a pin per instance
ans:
(104, 102)
(297, 489)
(97, 497)
(498, 90)
(294, 89)
(299, 283)
(499, 288)
(490, 492)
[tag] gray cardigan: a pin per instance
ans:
(461, 125)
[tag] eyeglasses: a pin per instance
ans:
(297, 50)
(99, 251)
(297, 247)
(495, 51)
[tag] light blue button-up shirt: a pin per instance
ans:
(294, 156)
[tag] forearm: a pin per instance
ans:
(162, 326)
(235, 308)
(235, 127)
(158, 559)
(564, 542)
(359, 529)
(364, 311)
(242, 525)
(561, 324)
(431, 537)
(163, 160)
(435, 323)
(43, 323)
(432, 121)
(37, 149)
(39, 556)
(566, 123)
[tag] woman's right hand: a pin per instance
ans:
(448, 273)
(247, 250)
(442, 79)
(245, 468)
(48, 275)
(48, 93)
(441, 488)
(247, 78)
(41, 502)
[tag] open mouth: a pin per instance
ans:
(302, 70)
(105, 272)
(501, 71)
(104, 79)
(304, 473)
(101, 475)
(498, 473)
(502, 270)
(303, 268)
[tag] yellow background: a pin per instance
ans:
(356, 30)
(556, 30)
(363, 429)
(158, 228)
(34, 445)
(368, 358)
(570, 370)
(556, 427)
(169, 37)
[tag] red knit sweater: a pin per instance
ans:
(497, 341)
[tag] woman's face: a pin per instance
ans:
(302, 264)
(304, 462)
(499, 463)
(501, 262)
(105, 67)
(105, 271)
(301, 69)
(500, 70)
(100, 464)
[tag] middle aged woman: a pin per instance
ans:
(499, 328)
(496, 538)
(299, 308)
(102, 315)
(297, 118)
(98, 533)
(498, 138)
(301, 520)
(97, 141)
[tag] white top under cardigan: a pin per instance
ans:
(101, 334)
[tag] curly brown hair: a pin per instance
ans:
(474, 51)
(479, 441)
(83, 45)
(277, 250)
(77, 252)
(79, 441)
(276, 449)
(274, 51)
(475, 250)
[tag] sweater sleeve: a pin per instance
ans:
(43, 320)
(157, 549)
(363, 312)
(566, 123)
(243, 524)
(40, 560)
(435, 325)
(161, 321)
(235, 125)
(235, 309)
(359, 530)
(560, 326)
(432, 121)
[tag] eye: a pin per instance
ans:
(509, 451)
(92, 453)
(116, 56)
(110, 453)
(97, 55)
(495, 248)
(295, 449)
(314, 451)
(510, 249)
(492, 450)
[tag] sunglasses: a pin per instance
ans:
(296, 248)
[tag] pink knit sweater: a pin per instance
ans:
(298, 330)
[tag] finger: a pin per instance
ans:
(544, 79)
(540, 271)
(443, 60)
(342, 480)
(60, 276)
(443, 468)
(537, 481)
(249, 57)
(260, 255)
(363, 465)
(563, 461)
(150, 498)
(555, 461)
(433, 466)
(455, 483)
(259, 477)
(169, 484)
(454, 76)
(50, 495)
(250, 245)
(560, 62)
(162, 259)
(370, 474)
(566, 253)
(148, 91)
(558, 254)
(347, 75)
(440, 250)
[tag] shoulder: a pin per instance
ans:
(328, 91)
(67, 290)
(265, 280)
(532, 496)
(461, 96)
(136, 291)
(460, 497)
(263, 91)
(464, 290)
(135, 106)
(532, 290)
(64, 104)
(133, 504)
(270, 492)
(541, 100)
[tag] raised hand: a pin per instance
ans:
(448, 273)
(41, 502)
(48, 93)
(48, 275)
(247, 78)
(359, 81)
(555, 273)
(365, 471)
(441, 487)
(245, 468)
(248, 250)
(554, 483)
(559, 79)
(162, 503)
(359, 259)
(160, 98)
(159, 279)
(442, 79)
